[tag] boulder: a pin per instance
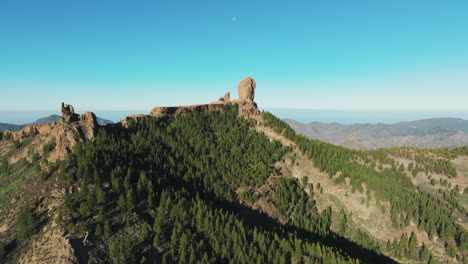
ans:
(246, 89)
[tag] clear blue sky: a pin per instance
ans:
(120, 55)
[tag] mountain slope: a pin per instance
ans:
(5, 126)
(432, 133)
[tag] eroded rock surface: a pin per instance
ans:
(52, 247)
(248, 109)
(180, 110)
(246, 89)
(68, 114)
(71, 130)
(226, 98)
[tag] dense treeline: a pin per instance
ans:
(390, 184)
(298, 207)
(180, 176)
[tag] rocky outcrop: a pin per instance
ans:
(247, 106)
(71, 130)
(134, 118)
(52, 247)
(74, 128)
(248, 109)
(180, 110)
(68, 114)
(246, 89)
(226, 98)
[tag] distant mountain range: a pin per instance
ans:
(429, 133)
(43, 121)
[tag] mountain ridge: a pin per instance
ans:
(44, 121)
(431, 133)
(222, 183)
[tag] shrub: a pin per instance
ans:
(49, 147)
(25, 222)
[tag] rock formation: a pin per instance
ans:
(74, 128)
(71, 130)
(68, 114)
(247, 106)
(226, 98)
(248, 109)
(246, 89)
(180, 110)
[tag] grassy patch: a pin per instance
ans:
(11, 183)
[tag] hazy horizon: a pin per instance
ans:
(341, 116)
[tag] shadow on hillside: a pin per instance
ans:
(256, 218)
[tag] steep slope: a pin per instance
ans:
(432, 133)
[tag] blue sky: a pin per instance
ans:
(121, 55)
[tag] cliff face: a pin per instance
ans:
(180, 110)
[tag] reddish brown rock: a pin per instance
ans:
(246, 89)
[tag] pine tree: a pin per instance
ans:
(413, 244)
(403, 245)
(59, 219)
(343, 223)
(100, 196)
(98, 231)
(107, 230)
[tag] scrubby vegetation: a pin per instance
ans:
(389, 184)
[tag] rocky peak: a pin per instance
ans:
(246, 89)
(68, 114)
(71, 130)
(226, 98)
(247, 106)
